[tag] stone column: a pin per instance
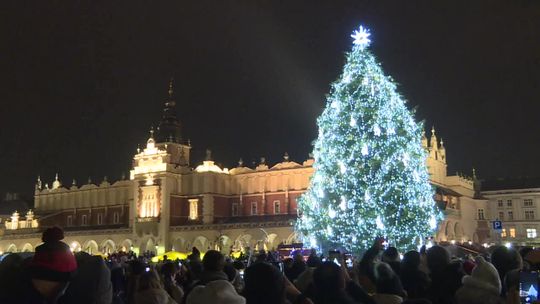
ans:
(208, 209)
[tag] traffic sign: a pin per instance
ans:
(497, 225)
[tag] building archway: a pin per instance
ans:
(271, 241)
(108, 247)
(90, 247)
(148, 245)
(126, 245)
(201, 243)
(75, 246)
(27, 248)
(242, 242)
(224, 244)
(293, 238)
(179, 244)
(458, 231)
(12, 248)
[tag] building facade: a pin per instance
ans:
(515, 204)
(167, 204)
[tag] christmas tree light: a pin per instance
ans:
(370, 175)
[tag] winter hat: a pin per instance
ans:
(53, 260)
(219, 291)
(484, 276)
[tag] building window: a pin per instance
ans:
(531, 233)
(481, 214)
(500, 203)
(193, 209)
(234, 209)
(277, 207)
(529, 215)
(510, 215)
(528, 202)
(116, 218)
(513, 232)
(501, 216)
(84, 221)
(100, 219)
(509, 203)
(503, 232)
(253, 208)
(69, 221)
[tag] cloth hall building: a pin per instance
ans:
(168, 204)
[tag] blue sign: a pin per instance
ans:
(497, 225)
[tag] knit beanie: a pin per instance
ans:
(484, 276)
(53, 260)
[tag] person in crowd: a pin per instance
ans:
(52, 268)
(218, 291)
(391, 257)
(298, 266)
(445, 275)
(505, 259)
(169, 271)
(195, 255)
(483, 286)
(135, 270)
(511, 285)
(92, 284)
(150, 290)
(415, 281)
(329, 282)
(213, 264)
(265, 284)
(388, 285)
(12, 276)
(304, 282)
(234, 277)
(366, 267)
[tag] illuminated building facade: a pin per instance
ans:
(166, 204)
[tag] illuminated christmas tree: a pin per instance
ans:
(370, 175)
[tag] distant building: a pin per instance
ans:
(515, 203)
(167, 204)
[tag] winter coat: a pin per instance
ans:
(92, 283)
(153, 296)
(445, 283)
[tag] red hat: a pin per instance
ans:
(53, 260)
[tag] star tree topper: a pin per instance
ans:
(361, 37)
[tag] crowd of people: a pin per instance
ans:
(382, 276)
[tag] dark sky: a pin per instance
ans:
(82, 81)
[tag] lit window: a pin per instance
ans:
(84, 221)
(503, 232)
(531, 233)
(69, 221)
(253, 208)
(528, 202)
(234, 209)
(510, 215)
(499, 203)
(529, 215)
(100, 219)
(193, 209)
(116, 218)
(513, 232)
(277, 207)
(501, 216)
(481, 214)
(509, 203)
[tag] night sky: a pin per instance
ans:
(82, 81)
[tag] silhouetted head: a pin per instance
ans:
(213, 261)
(264, 284)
